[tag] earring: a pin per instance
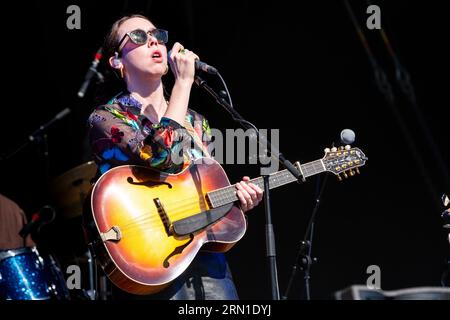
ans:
(116, 60)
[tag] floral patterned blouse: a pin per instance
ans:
(120, 135)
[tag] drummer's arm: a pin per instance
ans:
(28, 241)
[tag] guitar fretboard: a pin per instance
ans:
(227, 195)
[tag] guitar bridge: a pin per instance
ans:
(164, 217)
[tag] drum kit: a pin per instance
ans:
(27, 274)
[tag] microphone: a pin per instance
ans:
(43, 216)
(347, 136)
(90, 73)
(200, 66)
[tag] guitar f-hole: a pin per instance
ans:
(148, 183)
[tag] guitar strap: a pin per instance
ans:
(194, 135)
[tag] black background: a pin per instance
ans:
(297, 67)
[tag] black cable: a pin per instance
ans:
(404, 81)
(385, 88)
(242, 121)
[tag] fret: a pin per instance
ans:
(227, 194)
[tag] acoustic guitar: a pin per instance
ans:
(152, 224)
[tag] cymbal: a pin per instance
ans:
(70, 189)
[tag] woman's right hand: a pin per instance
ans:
(182, 63)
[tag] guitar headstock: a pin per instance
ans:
(344, 160)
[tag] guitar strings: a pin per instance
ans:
(148, 216)
(150, 219)
(130, 234)
(180, 204)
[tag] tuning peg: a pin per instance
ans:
(348, 147)
(352, 173)
(327, 150)
(357, 171)
(339, 177)
(334, 149)
(345, 175)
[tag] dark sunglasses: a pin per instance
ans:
(141, 37)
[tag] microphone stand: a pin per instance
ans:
(304, 260)
(92, 72)
(85, 84)
(270, 236)
(40, 136)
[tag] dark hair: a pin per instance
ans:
(111, 40)
(113, 83)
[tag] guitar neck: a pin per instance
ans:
(227, 195)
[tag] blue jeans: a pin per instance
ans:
(207, 278)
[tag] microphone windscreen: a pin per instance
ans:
(347, 136)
